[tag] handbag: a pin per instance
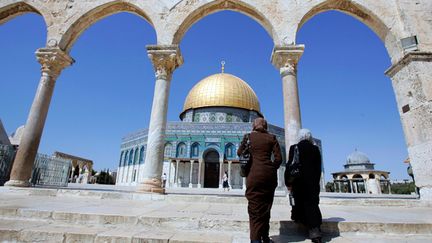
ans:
(245, 159)
(294, 168)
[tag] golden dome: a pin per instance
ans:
(222, 89)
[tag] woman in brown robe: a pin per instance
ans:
(262, 179)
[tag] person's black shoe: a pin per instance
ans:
(267, 240)
(255, 241)
(317, 240)
(315, 235)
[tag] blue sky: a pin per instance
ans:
(346, 100)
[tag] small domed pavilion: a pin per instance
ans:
(360, 176)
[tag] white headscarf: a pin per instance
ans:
(305, 134)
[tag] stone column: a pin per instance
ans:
(176, 173)
(72, 173)
(244, 184)
(411, 78)
(389, 186)
(351, 186)
(229, 174)
(191, 171)
(285, 58)
(221, 172)
(169, 174)
(165, 60)
(53, 61)
(199, 172)
(365, 182)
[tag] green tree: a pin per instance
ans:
(105, 178)
(329, 187)
(403, 188)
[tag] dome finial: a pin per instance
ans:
(223, 66)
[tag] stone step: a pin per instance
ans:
(38, 214)
(39, 231)
(189, 221)
(343, 199)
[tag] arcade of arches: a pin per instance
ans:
(405, 27)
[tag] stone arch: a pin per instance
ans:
(217, 6)
(131, 156)
(13, 10)
(364, 15)
(212, 167)
(141, 155)
(94, 15)
(125, 158)
(230, 150)
(135, 161)
(181, 150)
(211, 149)
(168, 150)
(194, 151)
(121, 158)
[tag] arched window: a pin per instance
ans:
(229, 150)
(121, 157)
(131, 153)
(194, 150)
(125, 158)
(136, 156)
(168, 150)
(141, 157)
(181, 150)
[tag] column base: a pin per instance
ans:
(151, 185)
(190, 185)
(426, 193)
(17, 183)
(199, 186)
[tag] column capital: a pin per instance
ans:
(407, 59)
(285, 58)
(165, 59)
(53, 61)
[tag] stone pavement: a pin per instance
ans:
(95, 215)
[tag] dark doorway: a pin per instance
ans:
(211, 172)
(76, 171)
